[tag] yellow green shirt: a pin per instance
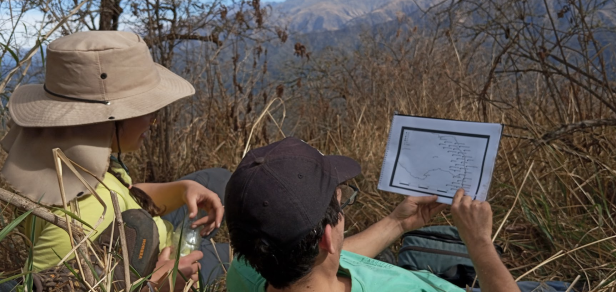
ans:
(49, 238)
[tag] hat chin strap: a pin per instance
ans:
(117, 134)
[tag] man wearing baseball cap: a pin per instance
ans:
(284, 208)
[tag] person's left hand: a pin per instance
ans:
(187, 265)
(196, 197)
(414, 212)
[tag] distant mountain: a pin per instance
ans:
(392, 10)
(306, 16)
(333, 23)
(309, 16)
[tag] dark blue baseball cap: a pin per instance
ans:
(282, 190)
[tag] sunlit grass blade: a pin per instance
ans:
(13, 277)
(135, 272)
(201, 284)
(42, 52)
(72, 215)
(15, 57)
(68, 267)
(186, 280)
(138, 283)
(119, 257)
(5, 231)
(177, 258)
(29, 281)
(94, 273)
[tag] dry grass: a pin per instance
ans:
(567, 202)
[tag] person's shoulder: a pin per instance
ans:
(103, 190)
(368, 274)
(111, 182)
(360, 260)
(242, 277)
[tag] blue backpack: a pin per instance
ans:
(440, 250)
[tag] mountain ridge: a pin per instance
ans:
(318, 15)
(329, 15)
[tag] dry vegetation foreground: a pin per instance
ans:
(554, 187)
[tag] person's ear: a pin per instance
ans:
(326, 243)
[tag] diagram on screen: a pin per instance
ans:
(455, 161)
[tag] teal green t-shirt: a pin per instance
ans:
(367, 275)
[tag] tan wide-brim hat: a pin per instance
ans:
(30, 167)
(93, 77)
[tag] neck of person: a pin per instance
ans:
(323, 277)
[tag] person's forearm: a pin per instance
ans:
(167, 196)
(492, 273)
(375, 239)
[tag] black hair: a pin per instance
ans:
(283, 267)
(140, 196)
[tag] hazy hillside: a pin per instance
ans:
(327, 15)
(310, 16)
(391, 11)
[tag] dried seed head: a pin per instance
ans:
(300, 50)
(258, 51)
(282, 34)
(223, 12)
(279, 90)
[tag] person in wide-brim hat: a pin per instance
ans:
(100, 95)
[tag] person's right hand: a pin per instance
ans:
(196, 197)
(415, 212)
(473, 219)
(188, 266)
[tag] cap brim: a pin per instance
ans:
(31, 106)
(344, 167)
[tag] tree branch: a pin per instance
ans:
(43, 213)
(211, 38)
(565, 129)
(36, 47)
(39, 211)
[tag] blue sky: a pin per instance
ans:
(32, 19)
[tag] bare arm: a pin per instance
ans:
(474, 222)
(410, 214)
(492, 273)
(167, 196)
(375, 239)
(172, 195)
